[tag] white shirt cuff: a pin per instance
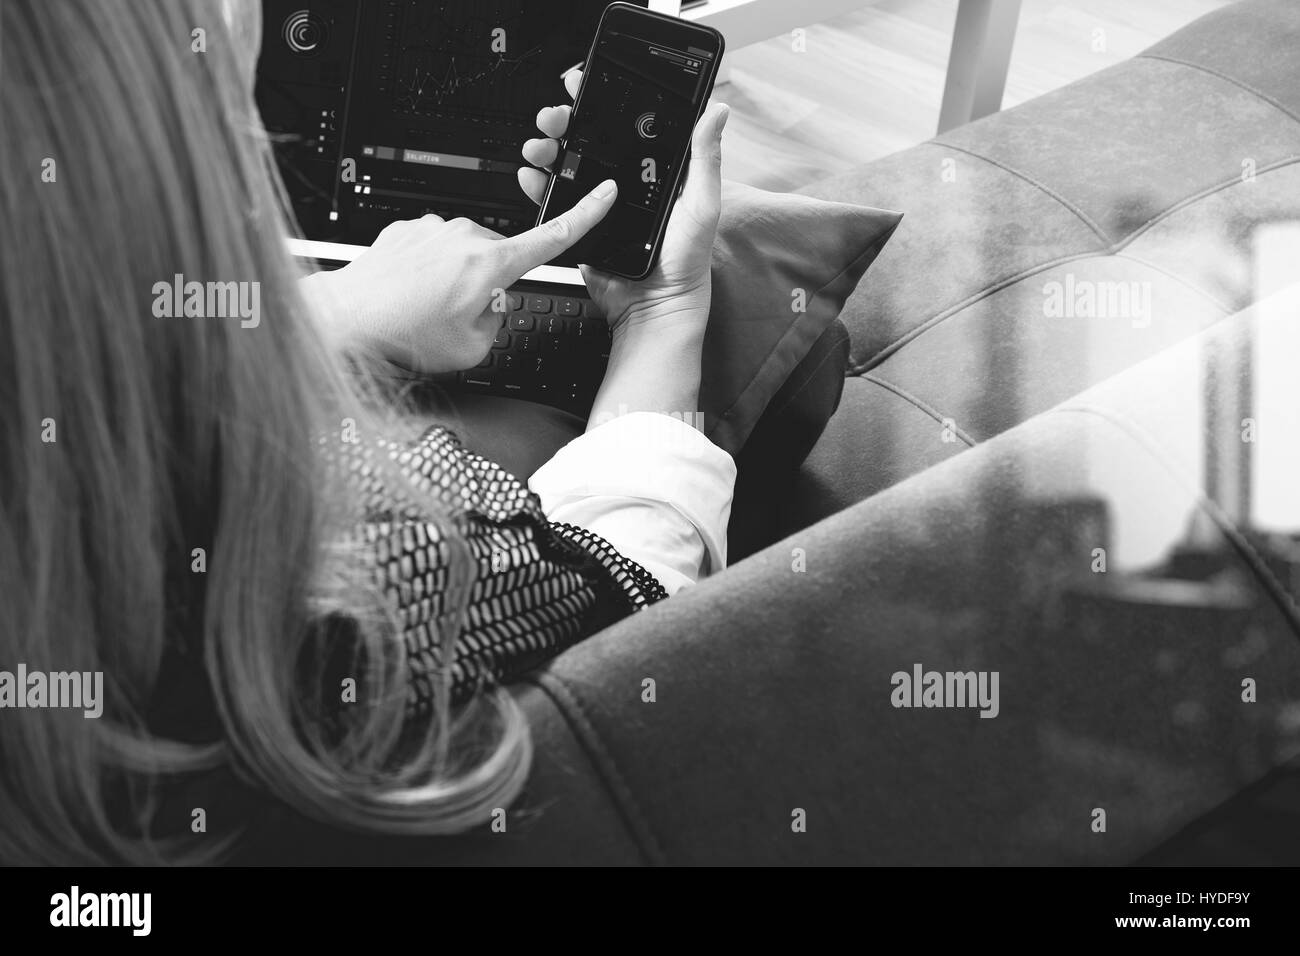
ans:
(652, 486)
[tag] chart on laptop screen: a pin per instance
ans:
(389, 109)
(436, 61)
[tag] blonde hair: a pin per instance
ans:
(131, 157)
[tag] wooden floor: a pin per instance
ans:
(870, 82)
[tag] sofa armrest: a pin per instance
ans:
(774, 686)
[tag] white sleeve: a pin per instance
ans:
(652, 486)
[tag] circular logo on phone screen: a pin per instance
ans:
(646, 126)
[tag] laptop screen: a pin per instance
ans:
(389, 109)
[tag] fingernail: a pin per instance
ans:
(723, 113)
(604, 190)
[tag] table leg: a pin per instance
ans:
(978, 63)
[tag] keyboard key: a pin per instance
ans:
(549, 348)
(590, 334)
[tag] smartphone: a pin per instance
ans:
(645, 83)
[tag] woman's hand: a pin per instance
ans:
(658, 322)
(428, 295)
(678, 288)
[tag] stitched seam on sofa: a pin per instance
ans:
(1083, 216)
(1203, 293)
(1113, 250)
(1223, 76)
(1285, 602)
(888, 350)
(921, 405)
(567, 702)
(872, 250)
(1195, 197)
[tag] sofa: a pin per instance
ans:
(1038, 468)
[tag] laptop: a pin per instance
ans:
(430, 101)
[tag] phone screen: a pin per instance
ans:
(643, 87)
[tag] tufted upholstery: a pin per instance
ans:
(1135, 174)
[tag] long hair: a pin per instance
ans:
(167, 503)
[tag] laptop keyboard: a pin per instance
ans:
(551, 348)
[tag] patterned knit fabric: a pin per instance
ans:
(540, 586)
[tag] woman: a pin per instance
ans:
(278, 585)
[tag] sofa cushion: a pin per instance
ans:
(879, 436)
(783, 266)
(1251, 45)
(1147, 176)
